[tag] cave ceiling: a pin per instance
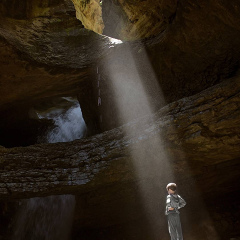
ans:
(46, 51)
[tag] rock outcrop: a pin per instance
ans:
(196, 49)
(132, 20)
(45, 54)
(124, 19)
(46, 51)
(203, 128)
(199, 144)
(89, 12)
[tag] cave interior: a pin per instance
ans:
(103, 103)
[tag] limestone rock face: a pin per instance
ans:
(51, 56)
(137, 19)
(89, 12)
(198, 49)
(23, 81)
(124, 19)
(131, 20)
(42, 55)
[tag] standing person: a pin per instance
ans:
(173, 203)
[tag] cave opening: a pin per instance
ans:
(57, 119)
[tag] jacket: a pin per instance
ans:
(174, 201)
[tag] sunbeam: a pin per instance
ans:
(137, 94)
(133, 99)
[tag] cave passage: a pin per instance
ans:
(56, 119)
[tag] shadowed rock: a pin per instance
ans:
(45, 52)
(203, 128)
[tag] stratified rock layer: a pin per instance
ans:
(45, 54)
(199, 144)
(203, 128)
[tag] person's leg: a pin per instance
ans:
(172, 226)
(179, 228)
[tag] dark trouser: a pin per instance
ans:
(174, 226)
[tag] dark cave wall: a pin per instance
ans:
(201, 136)
(27, 9)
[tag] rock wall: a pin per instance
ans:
(203, 129)
(54, 56)
(124, 19)
(45, 56)
(89, 12)
(197, 49)
(200, 135)
(138, 19)
(190, 47)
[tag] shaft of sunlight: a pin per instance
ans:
(137, 94)
(132, 100)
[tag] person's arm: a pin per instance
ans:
(182, 202)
